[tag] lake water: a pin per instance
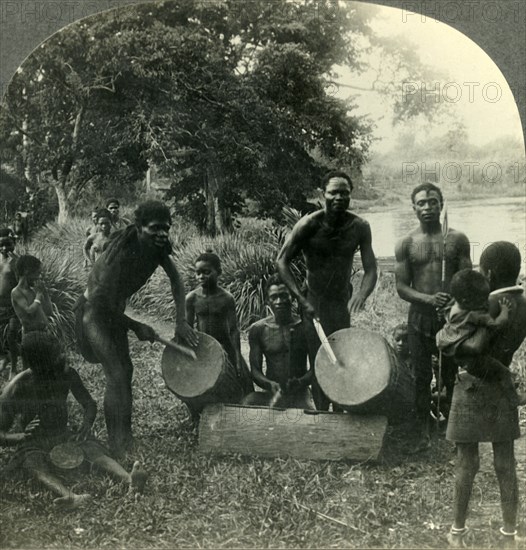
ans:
(483, 221)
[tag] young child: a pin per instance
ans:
(30, 298)
(401, 345)
(39, 395)
(469, 320)
(97, 242)
(215, 311)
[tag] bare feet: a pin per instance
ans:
(73, 501)
(138, 478)
(456, 538)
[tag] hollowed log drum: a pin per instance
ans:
(368, 377)
(210, 379)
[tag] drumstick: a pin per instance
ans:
(324, 341)
(275, 398)
(177, 347)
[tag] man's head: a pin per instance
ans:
(207, 269)
(43, 355)
(279, 299)
(470, 289)
(7, 244)
(337, 187)
(29, 267)
(18, 216)
(94, 214)
(427, 202)
(400, 338)
(113, 205)
(103, 220)
(153, 220)
(500, 263)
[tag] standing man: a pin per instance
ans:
(280, 340)
(328, 239)
(8, 281)
(101, 324)
(419, 281)
(113, 205)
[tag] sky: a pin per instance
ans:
(489, 113)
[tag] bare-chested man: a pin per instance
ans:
(126, 265)
(328, 239)
(419, 281)
(280, 340)
(8, 319)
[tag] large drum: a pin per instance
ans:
(368, 377)
(211, 378)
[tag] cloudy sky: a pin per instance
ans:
(454, 54)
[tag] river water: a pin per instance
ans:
(483, 221)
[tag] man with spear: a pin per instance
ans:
(426, 260)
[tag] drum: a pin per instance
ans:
(368, 377)
(211, 378)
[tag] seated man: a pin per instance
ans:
(39, 395)
(280, 339)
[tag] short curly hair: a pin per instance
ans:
(470, 289)
(504, 260)
(151, 210)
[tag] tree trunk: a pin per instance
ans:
(210, 194)
(63, 204)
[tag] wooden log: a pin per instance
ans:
(296, 433)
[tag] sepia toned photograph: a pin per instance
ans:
(262, 270)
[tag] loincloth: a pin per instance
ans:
(481, 410)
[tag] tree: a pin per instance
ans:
(227, 99)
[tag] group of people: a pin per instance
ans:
(473, 321)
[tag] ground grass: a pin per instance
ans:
(198, 501)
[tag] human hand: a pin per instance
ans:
(83, 433)
(187, 333)
(439, 300)
(31, 428)
(355, 304)
(505, 304)
(309, 311)
(274, 387)
(145, 332)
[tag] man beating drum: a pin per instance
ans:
(329, 239)
(280, 340)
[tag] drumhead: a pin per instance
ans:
(191, 378)
(363, 370)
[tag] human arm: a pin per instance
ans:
(182, 328)
(87, 247)
(88, 404)
(370, 275)
(256, 361)
(404, 279)
(291, 248)
(43, 296)
(190, 309)
(8, 412)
